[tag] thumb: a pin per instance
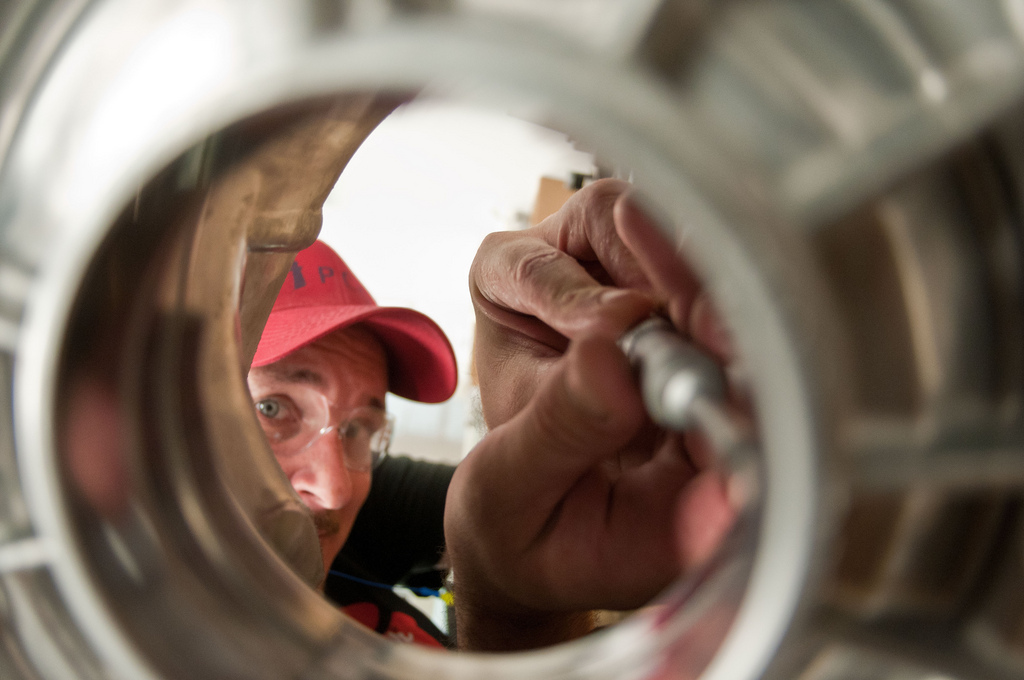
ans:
(587, 408)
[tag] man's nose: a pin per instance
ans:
(324, 482)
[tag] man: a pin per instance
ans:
(574, 501)
(327, 357)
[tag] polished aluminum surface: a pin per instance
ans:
(844, 174)
(673, 374)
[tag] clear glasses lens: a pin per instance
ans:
(365, 434)
(295, 419)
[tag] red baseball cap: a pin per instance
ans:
(321, 295)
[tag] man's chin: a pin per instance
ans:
(330, 536)
(327, 525)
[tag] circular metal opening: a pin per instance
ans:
(147, 500)
(163, 477)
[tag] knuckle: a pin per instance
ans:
(490, 269)
(491, 241)
(600, 197)
(490, 248)
(603, 191)
(535, 265)
(587, 217)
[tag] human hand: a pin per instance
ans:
(534, 290)
(575, 501)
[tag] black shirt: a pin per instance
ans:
(397, 538)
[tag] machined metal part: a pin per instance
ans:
(685, 389)
(673, 373)
(844, 175)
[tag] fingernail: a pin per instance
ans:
(615, 294)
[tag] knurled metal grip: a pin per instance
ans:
(673, 374)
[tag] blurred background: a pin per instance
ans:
(436, 178)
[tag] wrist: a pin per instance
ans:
(480, 628)
(489, 620)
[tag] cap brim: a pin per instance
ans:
(421, 363)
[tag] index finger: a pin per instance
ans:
(514, 278)
(584, 228)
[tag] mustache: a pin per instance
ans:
(326, 523)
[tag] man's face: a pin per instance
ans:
(343, 373)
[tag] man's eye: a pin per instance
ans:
(269, 408)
